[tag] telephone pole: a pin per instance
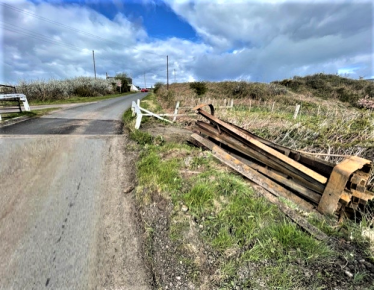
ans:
(167, 72)
(93, 57)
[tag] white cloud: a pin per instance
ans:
(272, 39)
(256, 40)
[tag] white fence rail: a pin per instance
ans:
(16, 98)
(140, 112)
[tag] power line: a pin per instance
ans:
(37, 36)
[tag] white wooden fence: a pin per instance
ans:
(16, 97)
(141, 112)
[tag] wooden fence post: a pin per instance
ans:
(296, 111)
(176, 111)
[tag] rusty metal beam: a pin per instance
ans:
(226, 139)
(252, 174)
(286, 160)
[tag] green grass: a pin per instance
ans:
(34, 113)
(79, 99)
(234, 219)
(239, 226)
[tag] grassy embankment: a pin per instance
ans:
(221, 233)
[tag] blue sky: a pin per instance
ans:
(205, 40)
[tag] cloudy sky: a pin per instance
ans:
(205, 40)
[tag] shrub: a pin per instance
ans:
(200, 88)
(157, 86)
(41, 90)
(125, 81)
(331, 86)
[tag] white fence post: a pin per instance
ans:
(176, 111)
(296, 111)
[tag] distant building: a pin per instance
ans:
(132, 88)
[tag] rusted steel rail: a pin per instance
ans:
(330, 188)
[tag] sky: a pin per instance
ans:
(259, 41)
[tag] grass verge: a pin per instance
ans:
(72, 100)
(36, 113)
(207, 227)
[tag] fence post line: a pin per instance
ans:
(176, 111)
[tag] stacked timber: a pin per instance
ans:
(306, 180)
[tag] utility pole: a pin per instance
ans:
(167, 72)
(93, 57)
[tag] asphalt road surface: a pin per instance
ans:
(65, 220)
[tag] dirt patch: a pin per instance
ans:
(172, 134)
(179, 259)
(120, 231)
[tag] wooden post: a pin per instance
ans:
(318, 111)
(232, 103)
(296, 111)
(176, 111)
(272, 108)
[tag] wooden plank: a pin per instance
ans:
(306, 193)
(321, 166)
(318, 177)
(252, 174)
(224, 138)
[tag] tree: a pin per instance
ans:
(199, 88)
(125, 81)
(157, 86)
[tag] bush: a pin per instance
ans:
(199, 88)
(157, 86)
(331, 86)
(63, 89)
(125, 81)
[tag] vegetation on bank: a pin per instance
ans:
(221, 233)
(79, 88)
(333, 87)
(357, 93)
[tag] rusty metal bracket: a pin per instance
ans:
(198, 107)
(338, 182)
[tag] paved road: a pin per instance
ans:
(98, 118)
(65, 221)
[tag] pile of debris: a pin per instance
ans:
(309, 182)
